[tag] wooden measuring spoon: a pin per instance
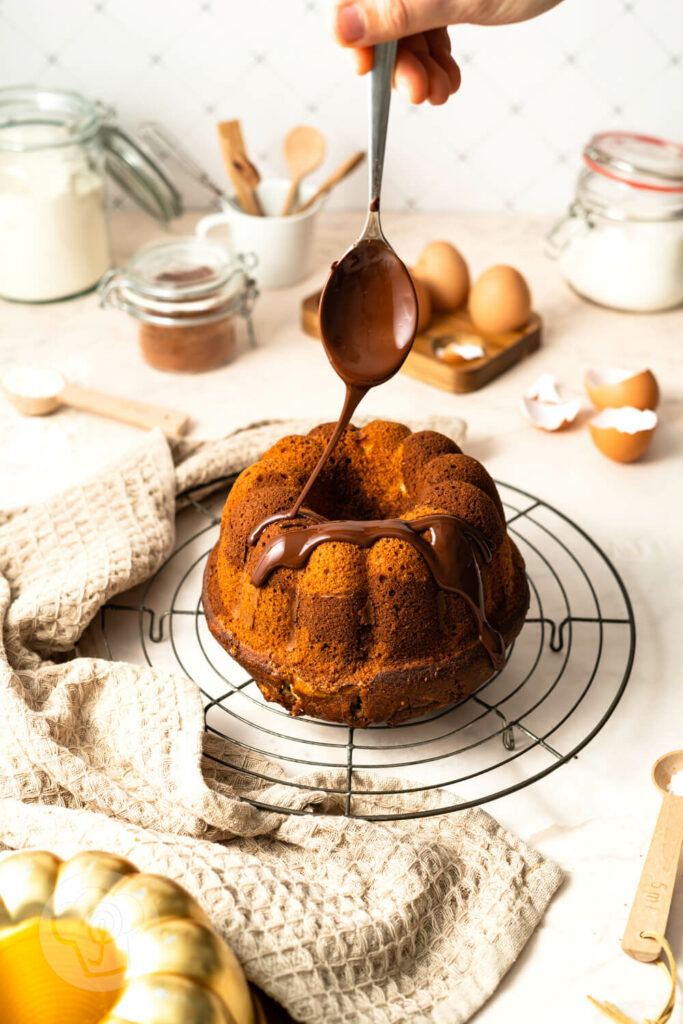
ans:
(304, 151)
(652, 902)
(342, 172)
(126, 410)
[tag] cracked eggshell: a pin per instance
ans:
(549, 406)
(456, 353)
(614, 389)
(623, 434)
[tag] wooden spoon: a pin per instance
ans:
(652, 902)
(127, 410)
(304, 151)
(342, 172)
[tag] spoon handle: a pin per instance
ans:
(380, 98)
(651, 905)
(127, 410)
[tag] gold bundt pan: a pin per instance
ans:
(92, 941)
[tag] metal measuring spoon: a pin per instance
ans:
(650, 910)
(368, 308)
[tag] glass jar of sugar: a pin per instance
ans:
(621, 244)
(55, 150)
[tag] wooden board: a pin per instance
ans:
(501, 350)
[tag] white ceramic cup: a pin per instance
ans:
(282, 245)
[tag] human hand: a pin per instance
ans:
(425, 68)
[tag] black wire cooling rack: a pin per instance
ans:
(562, 679)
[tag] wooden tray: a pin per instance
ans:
(501, 350)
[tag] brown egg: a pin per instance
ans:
(616, 388)
(623, 434)
(424, 302)
(500, 300)
(445, 273)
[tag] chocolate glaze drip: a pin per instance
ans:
(368, 321)
(448, 549)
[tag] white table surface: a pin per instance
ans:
(595, 815)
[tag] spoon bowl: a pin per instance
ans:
(368, 314)
(368, 308)
(665, 768)
(41, 401)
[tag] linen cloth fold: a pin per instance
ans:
(339, 920)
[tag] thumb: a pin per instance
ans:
(367, 22)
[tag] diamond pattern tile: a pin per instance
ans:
(531, 95)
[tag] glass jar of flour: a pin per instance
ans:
(55, 150)
(621, 244)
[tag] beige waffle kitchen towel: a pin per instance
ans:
(339, 920)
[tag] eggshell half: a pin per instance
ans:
(548, 405)
(614, 389)
(455, 352)
(623, 434)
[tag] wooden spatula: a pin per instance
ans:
(241, 170)
(304, 151)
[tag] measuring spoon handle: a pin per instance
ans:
(380, 100)
(127, 410)
(650, 909)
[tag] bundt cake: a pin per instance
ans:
(363, 634)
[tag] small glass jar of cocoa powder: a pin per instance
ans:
(185, 293)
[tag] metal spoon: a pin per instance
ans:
(368, 308)
(650, 910)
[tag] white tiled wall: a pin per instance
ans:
(511, 139)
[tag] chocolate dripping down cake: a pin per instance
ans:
(347, 612)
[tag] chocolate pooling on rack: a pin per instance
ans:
(446, 543)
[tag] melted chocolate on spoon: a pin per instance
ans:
(368, 321)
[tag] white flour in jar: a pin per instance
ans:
(636, 267)
(52, 218)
